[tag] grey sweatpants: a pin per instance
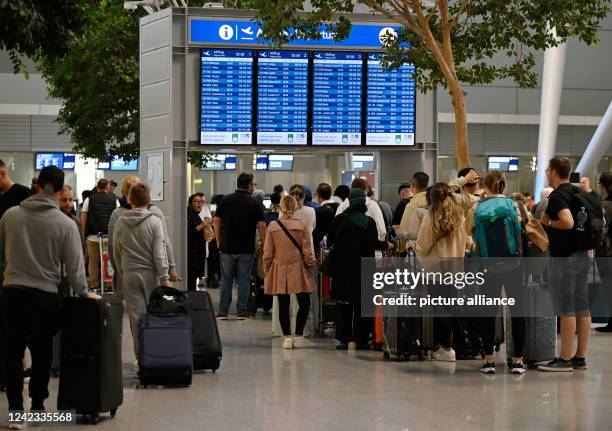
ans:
(137, 287)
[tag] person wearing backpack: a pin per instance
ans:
(325, 214)
(288, 262)
(574, 222)
(604, 253)
(495, 225)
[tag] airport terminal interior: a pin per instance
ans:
(299, 114)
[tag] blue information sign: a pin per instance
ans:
(226, 96)
(69, 162)
(390, 104)
(336, 115)
(282, 102)
(247, 32)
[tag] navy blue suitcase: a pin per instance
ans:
(165, 350)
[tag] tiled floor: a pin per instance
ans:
(261, 387)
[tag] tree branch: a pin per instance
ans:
(405, 20)
(432, 12)
(458, 14)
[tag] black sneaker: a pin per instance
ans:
(244, 315)
(557, 365)
(607, 328)
(517, 368)
(221, 316)
(487, 367)
(579, 363)
(341, 346)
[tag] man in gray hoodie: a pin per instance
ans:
(140, 254)
(36, 239)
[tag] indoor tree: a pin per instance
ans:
(451, 42)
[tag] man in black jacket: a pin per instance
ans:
(325, 214)
(96, 213)
(405, 193)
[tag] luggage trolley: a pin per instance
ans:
(106, 268)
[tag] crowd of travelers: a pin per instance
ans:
(45, 238)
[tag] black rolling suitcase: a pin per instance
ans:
(90, 370)
(205, 333)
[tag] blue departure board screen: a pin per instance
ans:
(282, 102)
(391, 105)
(69, 162)
(260, 162)
(49, 159)
(226, 96)
(337, 82)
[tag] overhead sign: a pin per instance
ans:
(232, 32)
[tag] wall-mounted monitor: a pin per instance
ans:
(69, 162)
(226, 96)
(117, 164)
(230, 162)
(216, 163)
(280, 162)
(260, 162)
(503, 163)
(282, 100)
(337, 98)
(43, 160)
(363, 162)
(390, 104)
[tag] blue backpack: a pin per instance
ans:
(497, 230)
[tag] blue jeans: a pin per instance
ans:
(235, 266)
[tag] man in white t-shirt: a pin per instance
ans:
(95, 216)
(373, 210)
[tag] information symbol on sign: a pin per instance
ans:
(226, 32)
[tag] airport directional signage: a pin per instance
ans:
(232, 32)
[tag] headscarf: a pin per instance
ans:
(357, 209)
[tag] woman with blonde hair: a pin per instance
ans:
(288, 261)
(442, 235)
(126, 185)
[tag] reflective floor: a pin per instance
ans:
(262, 387)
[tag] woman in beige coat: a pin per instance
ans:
(288, 261)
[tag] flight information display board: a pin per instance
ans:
(282, 102)
(390, 104)
(337, 95)
(226, 96)
(49, 159)
(280, 162)
(260, 162)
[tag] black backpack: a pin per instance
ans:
(593, 235)
(167, 300)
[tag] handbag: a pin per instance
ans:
(209, 233)
(326, 266)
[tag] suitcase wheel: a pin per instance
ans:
(420, 355)
(94, 419)
(113, 412)
(386, 355)
(402, 358)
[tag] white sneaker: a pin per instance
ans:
(444, 355)
(302, 343)
(288, 343)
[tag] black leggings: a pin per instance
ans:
(302, 316)
(512, 282)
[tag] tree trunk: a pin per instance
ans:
(461, 136)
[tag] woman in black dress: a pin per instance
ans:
(353, 236)
(196, 246)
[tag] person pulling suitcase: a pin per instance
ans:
(29, 308)
(140, 254)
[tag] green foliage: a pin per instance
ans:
(33, 28)
(484, 29)
(98, 83)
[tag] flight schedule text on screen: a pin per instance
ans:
(390, 104)
(336, 103)
(282, 102)
(226, 96)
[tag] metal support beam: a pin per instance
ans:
(600, 142)
(552, 85)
